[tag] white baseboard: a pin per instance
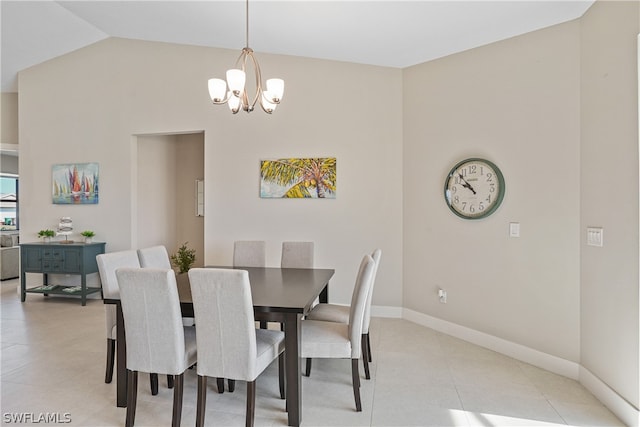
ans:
(627, 413)
(617, 404)
(517, 351)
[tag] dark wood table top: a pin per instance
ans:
(275, 289)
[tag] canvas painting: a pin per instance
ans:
(298, 178)
(75, 184)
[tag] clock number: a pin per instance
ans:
(472, 209)
(481, 206)
(489, 176)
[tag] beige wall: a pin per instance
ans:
(9, 118)
(609, 195)
(113, 90)
(515, 103)
(9, 132)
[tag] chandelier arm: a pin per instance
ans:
(224, 101)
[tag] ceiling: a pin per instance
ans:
(386, 33)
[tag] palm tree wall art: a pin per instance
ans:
(298, 178)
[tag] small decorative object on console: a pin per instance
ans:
(65, 227)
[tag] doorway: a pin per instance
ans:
(168, 167)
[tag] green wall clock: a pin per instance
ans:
(474, 188)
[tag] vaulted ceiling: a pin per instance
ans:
(386, 33)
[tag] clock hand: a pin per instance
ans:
(466, 184)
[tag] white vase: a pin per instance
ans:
(88, 239)
(47, 239)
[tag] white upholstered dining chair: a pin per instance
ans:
(321, 339)
(157, 341)
(107, 265)
(154, 257)
(297, 255)
(158, 257)
(249, 253)
(229, 345)
(340, 314)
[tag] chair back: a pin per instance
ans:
(153, 320)
(225, 330)
(249, 254)
(154, 257)
(376, 255)
(108, 264)
(358, 303)
(297, 255)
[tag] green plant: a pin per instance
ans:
(88, 233)
(184, 258)
(46, 233)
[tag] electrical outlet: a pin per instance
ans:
(442, 294)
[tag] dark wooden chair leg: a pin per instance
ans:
(355, 374)
(202, 400)
(232, 385)
(132, 397)
(263, 324)
(177, 400)
(111, 357)
(369, 347)
(170, 381)
(251, 403)
(308, 368)
(365, 357)
(153, 379)
(220, 383)
(281, 371)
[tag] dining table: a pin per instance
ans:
(283, 295)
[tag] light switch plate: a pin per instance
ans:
(514, 229)
(594, 236)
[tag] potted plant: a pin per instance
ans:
(46, 235)
(88, 235)
(184, 258)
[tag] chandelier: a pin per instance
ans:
(233, 91)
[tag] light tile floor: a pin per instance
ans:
(53, 360)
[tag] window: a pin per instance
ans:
(9, 202)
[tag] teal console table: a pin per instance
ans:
(59, 258)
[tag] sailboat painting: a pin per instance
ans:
(75, 184)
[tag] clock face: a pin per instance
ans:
(474, 188)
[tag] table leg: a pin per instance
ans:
(121, 360)
(293, 366)
(23, 286)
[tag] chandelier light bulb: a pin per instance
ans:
(217, 89)
(236, 80)
(275, 87)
